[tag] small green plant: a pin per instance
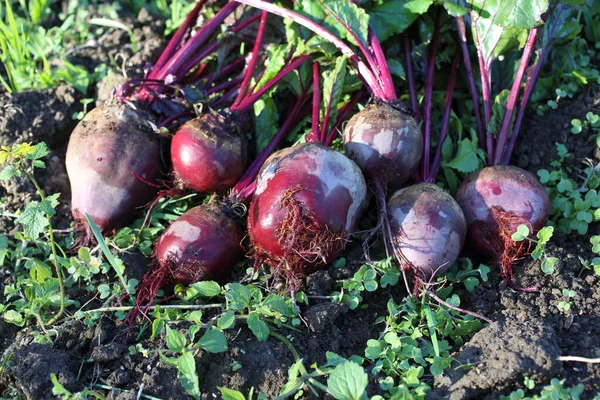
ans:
(574, 204)
(417, 340)
(555, 391)
(59, 390)
(27, 50)
(41, 290)
(594, 263)
(539, 252)
(565, 305)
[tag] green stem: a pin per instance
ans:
(53, 248)
(179, 307)
(305, 375)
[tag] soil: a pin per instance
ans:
(528, 335)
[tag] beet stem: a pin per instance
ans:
(486, 93)
(363, 70)
(462, 35)
(249, 101)
(378, 89)
(225, 71)
(514, 94)
(178, 36)
(224, 86)
(385, 74)
(343, 116)
(173, 66)
(428, 97)
(529, 87)
(437, 160)
(434, 296)
(244, 189)
(410, 77)
(253, 59)
(316, 106)
(215, 45)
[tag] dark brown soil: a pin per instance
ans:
(528, 335)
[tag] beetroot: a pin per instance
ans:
(428, 229)
(308, 199)
(111, 162)
(202, 243)
(496, 200)
(208, 153)
(385, 142)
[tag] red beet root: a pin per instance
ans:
(428, 229)
(385, 142)
(111, 159)
(496, 200)
(202, 244)
(208, 153)
(308, 199)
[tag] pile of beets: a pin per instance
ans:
(293, 209)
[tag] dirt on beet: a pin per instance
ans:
(528, 335)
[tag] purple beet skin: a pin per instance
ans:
(113, 163)
(208, 153)
(509, 190)
(308, 198)
(428, 229)
(385, 142)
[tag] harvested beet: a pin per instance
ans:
(209, 153)
(112, 165)
(308, 199)
(202, 244)
(428, 229)
(385, 142)
(496, 200)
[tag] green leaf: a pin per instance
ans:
(467, 159)
(14, 317)
(493, 40)
(545, 234)
(206, 288)
(213, 341)
(352, 17)
(226, 320)
(258, 327)
(57, 388)
(266, 121)
(471, 283)
(186, 373)
(525, 14)
(498, 111)
(348, 381)
(455, 10)
(394, 16)
(521, 233)
(35, 216)
(595, 241)
(40, 150)
(175, 340)
(333, 86)
(8, 173)
(548, 265)
(238, 296)
(396, 68)
(275, 61)
(230, 394)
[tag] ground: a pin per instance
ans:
(527, 336)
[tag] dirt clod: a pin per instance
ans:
(33, 364)
(501, 355)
